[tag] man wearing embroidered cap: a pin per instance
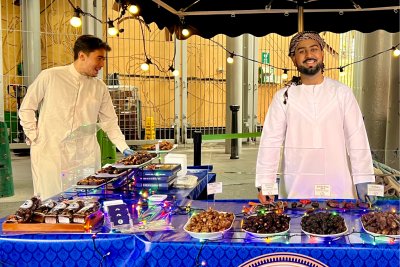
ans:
(66, 98)
(319, 124)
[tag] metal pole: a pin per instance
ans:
(300, 16)
(234, 141)
(197, 148)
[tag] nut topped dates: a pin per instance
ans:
(210, 221)
(385, 223)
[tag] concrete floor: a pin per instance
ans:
(237, 176)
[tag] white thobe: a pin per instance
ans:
(65, 100)
(320, 129)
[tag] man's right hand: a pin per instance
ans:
(265, 199)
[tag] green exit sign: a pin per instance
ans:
(265, 58)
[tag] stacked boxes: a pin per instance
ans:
(150, 131)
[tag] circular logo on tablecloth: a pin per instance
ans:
(283, 259)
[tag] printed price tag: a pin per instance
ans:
(269, 189)
(322, 190)
(214, 188)
(375, 190)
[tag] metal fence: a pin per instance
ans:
(154, 101)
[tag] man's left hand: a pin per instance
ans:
(128, 152)
(362, 191)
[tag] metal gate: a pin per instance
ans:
(152, 104)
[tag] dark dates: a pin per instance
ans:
(323, 223)
(268, 223)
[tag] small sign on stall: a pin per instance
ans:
(214, 188)
(375, 190)
(269, 189)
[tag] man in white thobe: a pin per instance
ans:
(66, 98)
(319, 124)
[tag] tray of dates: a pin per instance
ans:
(137, 160)
(324, 225)
(266, 225)
(209, 224)
(108, 171)
(164, 147)
(381, 224)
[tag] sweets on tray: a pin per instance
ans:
(385, 223)
(42, 210)
(52, 215)
(210, 221)
(164, 145)
(267, 223)
(89, 208)
(67, 214)
(91, 180)
(137, 158)
(25, 211)
(110, 170)
(323, 223)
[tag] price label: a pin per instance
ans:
(269, 189)
(322, 190)
(375, 190)
(214, 188)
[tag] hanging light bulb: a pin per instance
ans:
(185, 32)
(341, 73)
(111, 28)
(230, 58)
(146, 66)
(133, 9)
(285, 75)
(174, 71)
(76, 19)
(396, 52)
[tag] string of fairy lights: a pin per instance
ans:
(134, 11)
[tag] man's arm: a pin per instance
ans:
(109, 122)
(29, 106)
(357, 142)
(272, 137)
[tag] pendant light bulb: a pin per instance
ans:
(112, 31)
(396, 52)
(175, 73)
(133, 9)
(285, 75)
(185, 32)
(145, 66)
(76, 19)
(230, 58)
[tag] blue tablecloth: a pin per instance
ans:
(176, 248)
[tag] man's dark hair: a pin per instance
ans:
(88, 43)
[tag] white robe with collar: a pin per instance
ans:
(65, 100)
(321, 129)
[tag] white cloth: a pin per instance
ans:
(65, 100)
(320, 128)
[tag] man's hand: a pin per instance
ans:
(128, 152)
(265, 199)
(362, 192)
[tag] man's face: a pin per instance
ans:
(308, 57)
(93, 62)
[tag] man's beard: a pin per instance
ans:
(311, 71)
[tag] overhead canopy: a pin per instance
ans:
(208, 18)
